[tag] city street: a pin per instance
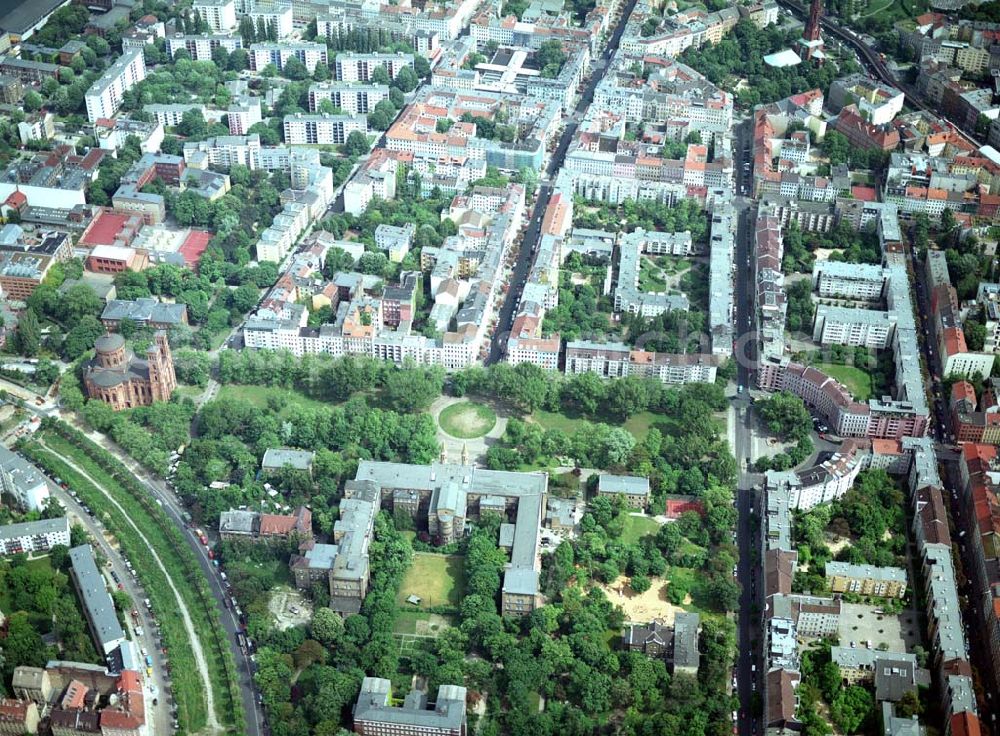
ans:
(529, 240)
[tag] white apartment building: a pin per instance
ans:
(169, 115)
(200, 47)
(224, 151)
(867, 328)
(395, 240)
(278, 16)
(243, 113)
(219, 14)
(860, 281)
(310, 54)
(22, 481)
(350, 67)
(351, 97)
(969, 364)
(322, 129)
(34, 536)
(104, 97)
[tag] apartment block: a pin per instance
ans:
(858, 281)
(97, 604)
(853, 327)
(22, 481)
(219, 14)
(34, 536)
(310, 54)
(352, 67)
(104, 97)
(200, 48)
(323, 129)
(353, 98)
(868, 580)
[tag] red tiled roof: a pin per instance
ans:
(105, 229)
(965, 724)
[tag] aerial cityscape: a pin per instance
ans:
(500, 367)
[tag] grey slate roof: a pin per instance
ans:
(94, 595)
(631, 485)
(31, 528)
(144, 310)
(373, 706)
(686, 627)
(276, 458)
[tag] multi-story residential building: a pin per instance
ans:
(22, 481)
(353, 98)
(34, 536)
(616, 360)
(322, 129)
(858, 281)
(105, 96)
(201, 47)
(851, 326)
(277, 15)
(28, 71)
(219, 14)
(634, 489)
(822, 483)
(376, 715)
(307, 52)
(353, 67)
(98, 607)
(242, 114)
(978, 466)
(882, 582)
(171, 115)
(877, 102)
(395, 240)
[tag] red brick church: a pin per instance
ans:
(117, 377)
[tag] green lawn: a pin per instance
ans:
(857, 381)
(637, 527)
(439, 580)
(261, 396)
(467, 420)
(650, 277)
(638, 424)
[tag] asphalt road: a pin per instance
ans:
(749, 574)
(175, 510)
(529, 240)
(162, 719)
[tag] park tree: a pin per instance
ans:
(29, 334)
(356, 144)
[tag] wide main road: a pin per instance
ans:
(748, 664)
(529, 240)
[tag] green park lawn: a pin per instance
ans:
(283, 398)
(439, 580)
(637, 424)
(858, 382)
(467, 420)
(637, 527)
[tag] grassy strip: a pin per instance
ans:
(186, 684)
(179, 562)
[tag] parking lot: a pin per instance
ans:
(859, 623)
